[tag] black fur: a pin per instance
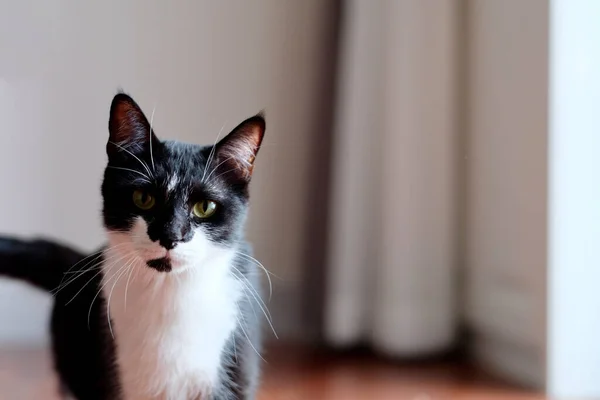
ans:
(83, 347)
(40, 262)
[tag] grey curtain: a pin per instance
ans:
(391, 231)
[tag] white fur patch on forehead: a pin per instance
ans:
(172, 184)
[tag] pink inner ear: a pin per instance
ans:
(242, 152)
(241, 146)
(127, 125)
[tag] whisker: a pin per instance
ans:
(131, 170)
(62, 284)
(259, 264)
(112, 265)
(248, 338)
(125, 269)
(218, 165)
(267, 272)
(134, 156)
(97, 253)
(246, 295)
(73, 279)
(150, 138)
(127, 286)
(100, 290)
(226, 172)
(256, 298)
(83, 270)
(248, 285)
(85, 258)
(212, 151)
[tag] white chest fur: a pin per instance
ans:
(171, 329)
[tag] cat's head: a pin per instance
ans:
(172, 204)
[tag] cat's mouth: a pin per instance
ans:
(162, 264)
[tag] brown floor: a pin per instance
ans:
(292, 374)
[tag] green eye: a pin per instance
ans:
(143, 200)
(204, 208)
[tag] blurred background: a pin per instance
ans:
(427, 193)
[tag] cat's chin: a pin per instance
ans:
(163, 264)
(168, 264)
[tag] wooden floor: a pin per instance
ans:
(293, 374)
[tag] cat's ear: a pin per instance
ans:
(238, 149)
(128, 127)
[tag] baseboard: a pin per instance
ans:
(522, 365)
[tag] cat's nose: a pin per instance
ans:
(173, 235)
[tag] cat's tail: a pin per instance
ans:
(39, 262)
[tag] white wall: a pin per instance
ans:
(574, 212)
(533, 202)
(506, 166)
(202, 64)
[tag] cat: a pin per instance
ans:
(168, 308)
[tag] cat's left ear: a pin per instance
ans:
(239, 148)
(128, 127)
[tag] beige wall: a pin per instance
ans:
(202, 64)
(506, 182)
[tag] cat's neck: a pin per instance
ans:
(171, 329)
(132, 281)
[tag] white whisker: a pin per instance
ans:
(134, 156)
(125, 269)
(133, 267)
(96, 266)
(256, 298)
(78, 271)
(150, 138)
(102, 287)
(226, 172)
(267, 272)
(131, 170)
(246, 295)
(83, 259)
(92, 278)
(97, 253)
(212, 151)
(218, 165)
(248, 338)
(81, 272)
(248, 285)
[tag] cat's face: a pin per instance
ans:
(171, 204)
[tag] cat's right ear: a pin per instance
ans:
(128, 127)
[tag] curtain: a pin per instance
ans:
(393, 210)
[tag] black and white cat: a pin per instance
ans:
(168, 309)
